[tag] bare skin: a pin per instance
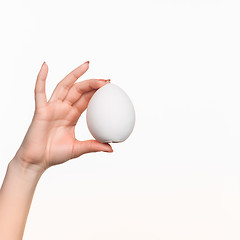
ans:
(50, 140)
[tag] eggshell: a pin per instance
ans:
(110, 114)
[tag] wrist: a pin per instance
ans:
(25, 169)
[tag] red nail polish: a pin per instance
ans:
(87, 62)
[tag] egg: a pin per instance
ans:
(110, 114)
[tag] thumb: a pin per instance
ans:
(88, 146)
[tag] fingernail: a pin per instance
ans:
(108, 80)
(110, 151)
(107, 151)
(87, 62)
(43, 63)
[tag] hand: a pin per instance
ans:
(50, 139)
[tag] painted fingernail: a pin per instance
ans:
(110, 151)
(87, 62)
(105, 80)
(43, 63)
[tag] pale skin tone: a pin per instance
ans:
(50, 140)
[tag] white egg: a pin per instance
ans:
(110, 114)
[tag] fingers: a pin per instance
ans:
(82, 147)
(78, 89)
(40, 94)
(64, 85)
(83, 101)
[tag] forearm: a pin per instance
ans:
(15, 199)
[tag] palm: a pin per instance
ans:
(55, 133)
(50, 139)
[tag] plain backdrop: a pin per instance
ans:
(178, 175)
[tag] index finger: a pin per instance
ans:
(61, 91)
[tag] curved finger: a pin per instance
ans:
(83, 101)
(78, 89)
(64, 85)
(40, 94)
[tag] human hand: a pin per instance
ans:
(50, 139)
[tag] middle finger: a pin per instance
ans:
(79, 88)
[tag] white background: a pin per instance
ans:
(177, 176)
